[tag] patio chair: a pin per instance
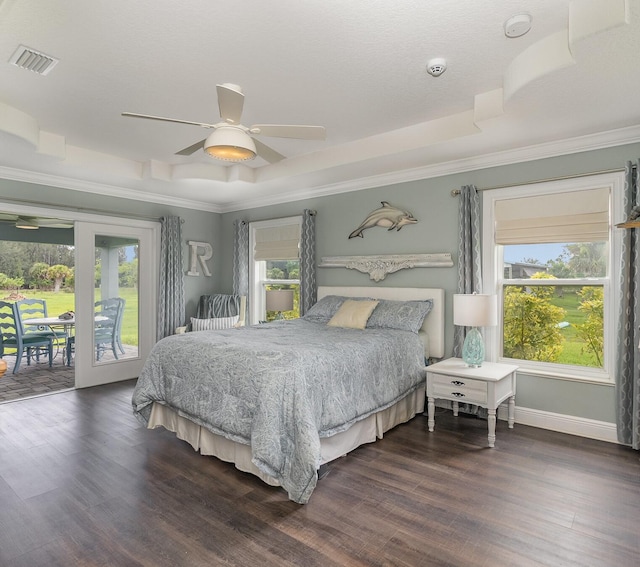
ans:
(36, 309)
(119, 325)
(108, 326)
(107, 331)
(30, 344)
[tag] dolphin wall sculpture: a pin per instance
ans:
(387, 216)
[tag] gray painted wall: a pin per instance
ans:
(437, 231)
(198, 225)
(429, 200)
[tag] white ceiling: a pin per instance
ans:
(356, 67)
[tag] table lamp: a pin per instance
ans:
(279, 300)
(474, 310)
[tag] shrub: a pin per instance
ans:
(591, 331)
(10, 283)
(531, 323)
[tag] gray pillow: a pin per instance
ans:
(401, 315)
(328, 306)
(324, 309)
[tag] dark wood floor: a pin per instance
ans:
(82, 483)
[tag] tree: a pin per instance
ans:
(559, 268)
(38, 276)
(587, 259)
(128, 273)
(57, 273)
(16, 258)
(531, 329)
(283, 269)
(275, 273)
(592, 330)
(70, 280)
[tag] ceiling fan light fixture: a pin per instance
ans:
(27, 223)
(230, 144)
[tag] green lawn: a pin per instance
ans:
(574, 349)
(58, 303)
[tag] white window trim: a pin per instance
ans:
(257, 272)
(492, 262)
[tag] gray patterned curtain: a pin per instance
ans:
(241, 259)
(469, 253)
(308, 283)
(628, 335)
(171, 311)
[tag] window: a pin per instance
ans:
(550, 254)
(275, 265)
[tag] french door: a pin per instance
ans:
(115, 286)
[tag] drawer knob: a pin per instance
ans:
(457, 394)
(457, 383)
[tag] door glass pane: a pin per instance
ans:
(116, 298)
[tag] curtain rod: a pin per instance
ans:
(29, 202)
(312, 212)
(456, 192)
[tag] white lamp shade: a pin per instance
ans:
(229, 143)
(475, 310)
(279, 300)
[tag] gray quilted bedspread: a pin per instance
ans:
(280, 387)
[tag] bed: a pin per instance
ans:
(284, 408)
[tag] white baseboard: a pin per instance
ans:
(580, 426)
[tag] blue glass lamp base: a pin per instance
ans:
(473, 349)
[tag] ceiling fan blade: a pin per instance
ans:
(39, 221)
(230, 102)
(191, 149)
(54, 223)
(299, 132)
(149, 117)
(267, 153)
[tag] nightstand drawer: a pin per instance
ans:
(461, 389)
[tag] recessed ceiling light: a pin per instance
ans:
(517, 25)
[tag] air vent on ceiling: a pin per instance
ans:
(32, 60)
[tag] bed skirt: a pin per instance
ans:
(364, 431)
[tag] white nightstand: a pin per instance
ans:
(487, 386)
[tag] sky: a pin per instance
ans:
(541, 252)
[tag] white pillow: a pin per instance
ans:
(214, 324)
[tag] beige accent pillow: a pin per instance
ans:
(353, 314)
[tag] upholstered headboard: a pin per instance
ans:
(433, 323)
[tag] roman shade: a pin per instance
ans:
(572, 216)
(277, 243)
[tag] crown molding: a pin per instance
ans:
(591, 142)
(601, 140)
(103, 189)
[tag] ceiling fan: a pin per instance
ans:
(32, 223)
(230, 140)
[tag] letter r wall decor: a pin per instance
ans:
(199, 252)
